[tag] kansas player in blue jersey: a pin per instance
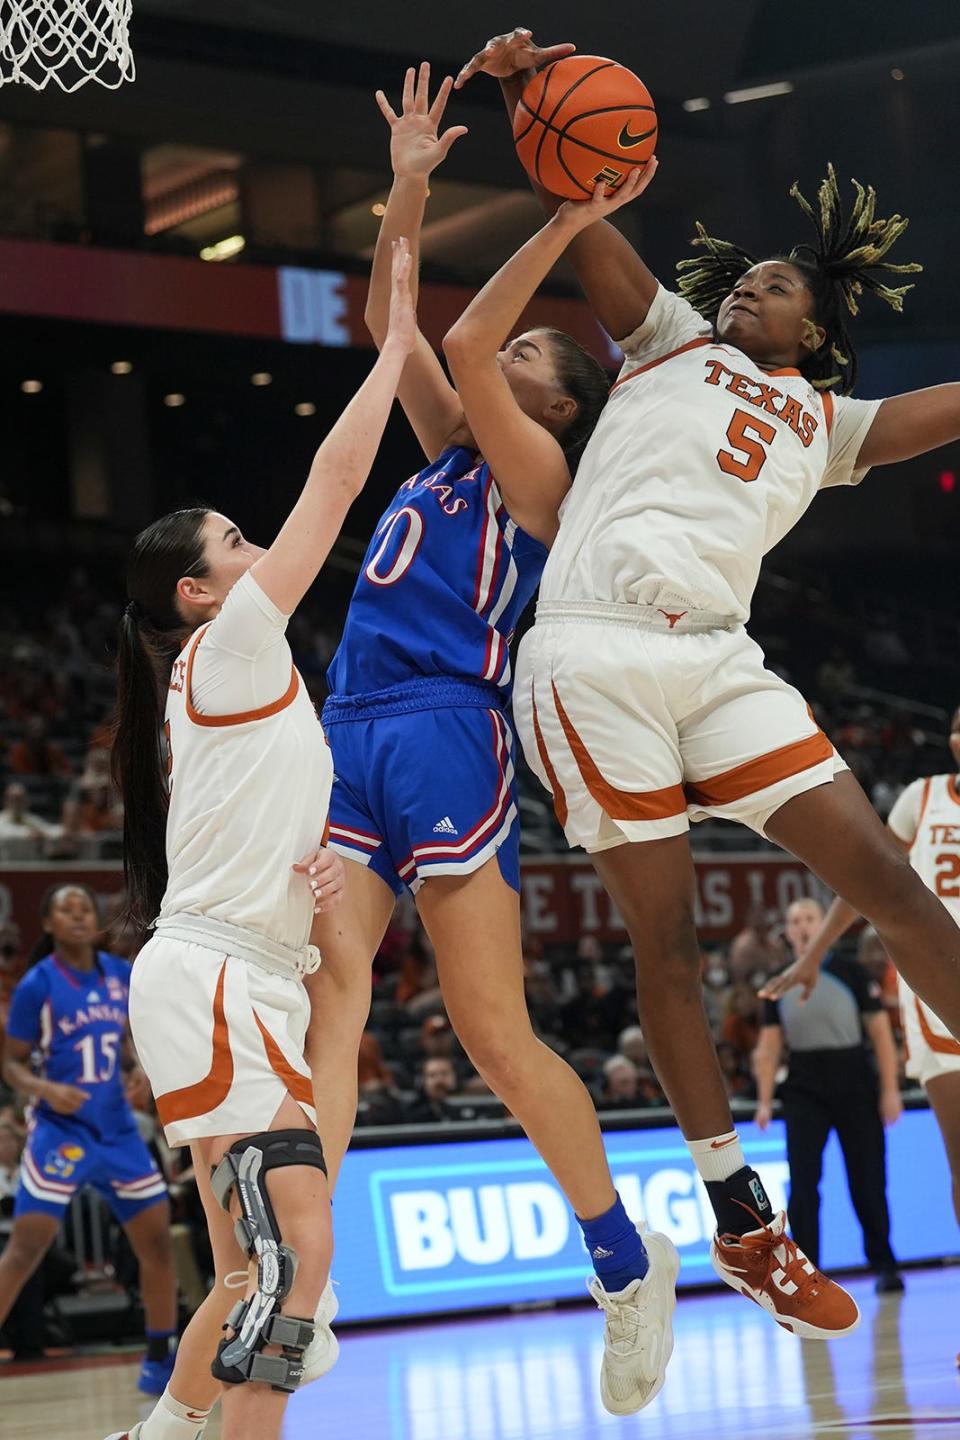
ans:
(70, 1011)
(422, 742)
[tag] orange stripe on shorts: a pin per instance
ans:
(298, 1085)
(559, 799)
(939, 1044)
(619, 804)
(213, 1089)
(776, 765)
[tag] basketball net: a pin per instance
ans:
(68, 41)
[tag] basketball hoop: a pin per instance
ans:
(67, 41)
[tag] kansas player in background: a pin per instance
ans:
(70, 1010)
(422, 743)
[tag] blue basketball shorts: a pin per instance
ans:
(58, 1160)
(424, 781)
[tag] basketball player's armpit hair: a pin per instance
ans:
(847, 257)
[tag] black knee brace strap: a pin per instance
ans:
(256, 1322)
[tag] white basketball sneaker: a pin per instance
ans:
(638, 1333)
(323, 1351)
(133, 1434)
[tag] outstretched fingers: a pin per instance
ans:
(386, 109)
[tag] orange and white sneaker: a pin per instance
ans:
(768, 1267)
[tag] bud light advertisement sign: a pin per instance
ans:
(424, 1229)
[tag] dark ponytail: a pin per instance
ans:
(582, 378)
(151, 634)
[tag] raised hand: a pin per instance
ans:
(804, 972)
(511, 54)
(416, 146)
(576, 215)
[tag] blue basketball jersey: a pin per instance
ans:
(443, 583)
(77, 1020)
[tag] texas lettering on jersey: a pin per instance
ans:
(765, 397)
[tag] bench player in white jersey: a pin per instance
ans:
(216, 830)
(641, 700)
(925, 822)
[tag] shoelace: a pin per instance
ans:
(625, 1319)
(780, 1252)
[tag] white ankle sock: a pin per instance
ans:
(717, 1158)
(170, 1420)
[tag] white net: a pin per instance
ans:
(67, 41)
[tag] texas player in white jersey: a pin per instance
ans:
(925, 823)
(222, 828)
(641, 701)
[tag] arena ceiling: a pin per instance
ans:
(876, 89)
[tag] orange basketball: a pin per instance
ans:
(583, 121)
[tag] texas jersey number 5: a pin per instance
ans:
(747, 435)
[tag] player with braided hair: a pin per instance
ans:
(848, 258)
(641, 700)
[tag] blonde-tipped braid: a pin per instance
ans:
(847, 258)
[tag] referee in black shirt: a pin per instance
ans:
(833, 1084)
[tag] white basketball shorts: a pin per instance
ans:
(637, 730)
(221, 1039)
(930, 1048)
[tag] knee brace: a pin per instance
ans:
(257, 1322)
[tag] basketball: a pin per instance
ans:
(582, 121)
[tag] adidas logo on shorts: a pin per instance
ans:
(445, 827)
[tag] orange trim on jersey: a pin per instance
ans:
(787, 370)
(213, 1089)
(952, 789)
(242, 719)
(619, 804)
(923, 810)
(651, 364)
(559, 799)
(939, 1044)
(298, 1085)
(827, 399)
(754, 775)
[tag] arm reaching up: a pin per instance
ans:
(416, 149)
(342, 463)
(616, 282)
(524, 450)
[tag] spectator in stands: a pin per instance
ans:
(621, 1085)
(36, 754)
(880, 968)
(736, 1078)
(11, 966)
(437, 1038)
(22, 834)
(756, 951)
(380, 1102)
(630, 1042)
(69, 840)
(741, 1024)
(418, 988)
(716, 988)
(438, 1082)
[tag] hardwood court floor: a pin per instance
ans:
(733, 1374)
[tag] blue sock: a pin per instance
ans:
(160, 1344)
(615, 1247)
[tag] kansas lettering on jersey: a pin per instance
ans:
(700, 464)
(76, 1021)
(444, 581)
